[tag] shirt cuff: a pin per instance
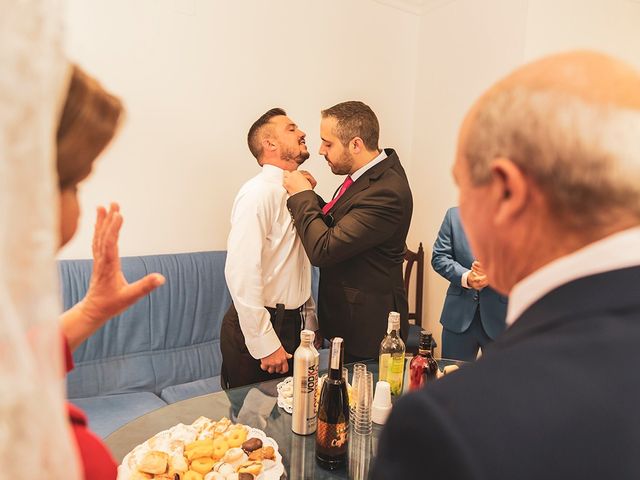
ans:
(464, 282)
(263, 345)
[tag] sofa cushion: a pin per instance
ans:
(170, 337)
(176, 393)
(107, 413)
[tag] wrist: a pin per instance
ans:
(88, 312)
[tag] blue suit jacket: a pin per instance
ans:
(451, 258)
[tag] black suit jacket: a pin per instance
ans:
(360, 255)
(557, 396)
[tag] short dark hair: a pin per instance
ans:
(255, 145)
(355, 119)
(89, 121)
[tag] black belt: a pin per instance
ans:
(280, 306)
(278, 313)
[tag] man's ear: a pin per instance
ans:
(509, 190)
(269, 144)
(356, 145)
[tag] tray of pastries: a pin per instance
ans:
(205, 450)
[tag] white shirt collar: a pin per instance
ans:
(358, 173)
(271, 173)
(614, 252)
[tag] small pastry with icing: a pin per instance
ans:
(254, 468)
(154, 462)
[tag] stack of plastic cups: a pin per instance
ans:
(362, 422)
(358, 370)
(359, 456)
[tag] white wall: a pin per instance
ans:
(463, 49)
(195, 74)
(466, 45)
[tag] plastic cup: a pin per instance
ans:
(381, 403)
(358, 370)
(362, 423)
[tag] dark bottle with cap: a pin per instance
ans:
(333, 413)
(423, 367)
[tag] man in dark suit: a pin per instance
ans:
(548, 169)
(357, 239)
(473, 313)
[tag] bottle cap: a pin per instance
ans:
(425, 340)
(307, 336)
(394, 321)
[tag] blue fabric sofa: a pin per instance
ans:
(163, 349)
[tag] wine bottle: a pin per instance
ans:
(423, 367)
(392, 355)
(333, 413)
(305, 382)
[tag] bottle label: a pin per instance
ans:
(395, 373)
(385, 361)
(335, 355)
(312, 384)
(332, 436)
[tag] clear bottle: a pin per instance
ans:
(333, 413)
(423, 367)
(392, 351)
(305, 382)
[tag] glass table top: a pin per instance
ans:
(256, 406)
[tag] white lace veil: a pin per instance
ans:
(35, 438)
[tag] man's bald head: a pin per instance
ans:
(571, 123)
(593, 77)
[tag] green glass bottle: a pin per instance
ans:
(392, 351)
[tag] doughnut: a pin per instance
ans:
(198, 443)
(202, 465)
(198, 449)
(220, 447)
(236, 436)
(191, 475)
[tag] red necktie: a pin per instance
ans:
(347, 183)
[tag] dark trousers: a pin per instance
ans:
(464, 346)
(238, 366)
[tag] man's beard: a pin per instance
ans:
(343, 167)
(298, 157)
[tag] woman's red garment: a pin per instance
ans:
(97, 462)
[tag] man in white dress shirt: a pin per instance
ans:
(267, 270)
